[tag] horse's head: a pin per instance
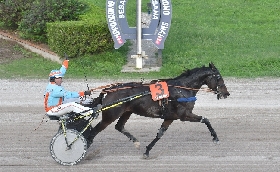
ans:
(216, 82)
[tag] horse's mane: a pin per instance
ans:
(190, 72)
(186, 73)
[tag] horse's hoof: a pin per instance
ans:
(145, 156)
(89, 142)
(137, 145)
(216, 141)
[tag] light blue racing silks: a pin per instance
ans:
(59, 92)
(52, 84)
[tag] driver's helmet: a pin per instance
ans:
(56, 74)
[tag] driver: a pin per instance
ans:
(62, 71)
(59, 101)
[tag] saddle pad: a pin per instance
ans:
(159, 91)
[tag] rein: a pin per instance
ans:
(123, 88)
(195, 89)
(42, 121)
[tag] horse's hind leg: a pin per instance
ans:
(160, 133)
(120, 127)
(98, 128)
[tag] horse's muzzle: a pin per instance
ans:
(221, 95)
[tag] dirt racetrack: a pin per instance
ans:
(247, 124)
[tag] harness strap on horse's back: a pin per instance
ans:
(184, 99)
(124, 100)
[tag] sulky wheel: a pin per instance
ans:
(68, 155)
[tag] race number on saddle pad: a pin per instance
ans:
(159, 91)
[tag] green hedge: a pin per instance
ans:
(79, 37)
(12, 11)
(75, 38)
(33, 23)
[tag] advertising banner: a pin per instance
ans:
(157, 30)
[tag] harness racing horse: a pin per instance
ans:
(176, 106)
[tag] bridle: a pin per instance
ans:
(217, 77)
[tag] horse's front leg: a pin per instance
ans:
(184, 112)
(160, 133)
(189, 116)
(212, 131)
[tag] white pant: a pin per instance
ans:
(77, 100)
(67, 108)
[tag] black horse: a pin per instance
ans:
(177, 106)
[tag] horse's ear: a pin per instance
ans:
(212, 66)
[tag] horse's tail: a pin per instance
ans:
(98, 100)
